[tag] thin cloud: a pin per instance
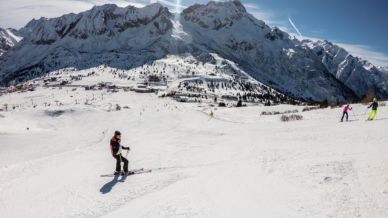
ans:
(270, 17)
(295, 28)
(263, 14)
(173, 5)
(366, 53)
(362, 51)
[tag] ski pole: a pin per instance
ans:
(126, 156)
(354, 114)
(366, 110)
(121, 160)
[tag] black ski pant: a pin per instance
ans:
(119, 159)
(343, 115)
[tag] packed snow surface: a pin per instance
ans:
(237, 164)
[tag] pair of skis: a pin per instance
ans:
(131, 172)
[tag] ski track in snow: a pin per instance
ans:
(237, 164)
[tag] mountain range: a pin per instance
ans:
(126, 38)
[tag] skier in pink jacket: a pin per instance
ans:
(345, 112)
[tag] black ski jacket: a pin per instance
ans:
(115, 146)
(374, 106)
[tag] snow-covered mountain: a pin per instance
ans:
(360, 75)
(8, 39)
(383, 69)
(268, 54)
(127, 38)
(30, 26)
(120, 37)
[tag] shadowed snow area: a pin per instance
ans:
(238, 164)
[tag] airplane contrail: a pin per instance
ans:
(295, 28)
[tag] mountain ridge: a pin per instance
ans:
(112, 35)
(8, 39)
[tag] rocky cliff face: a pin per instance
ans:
(359, 75)
(8, 39)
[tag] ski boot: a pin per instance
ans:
(127, 173)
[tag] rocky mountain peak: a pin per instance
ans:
(101, 21)
(216, 15)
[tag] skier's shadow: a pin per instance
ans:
(108, 186)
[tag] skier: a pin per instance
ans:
(345, 112)
(115, 149)
(373, 112)
(212, 114)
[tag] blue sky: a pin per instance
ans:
(359, 26)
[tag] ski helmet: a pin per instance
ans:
(374, 99)
(117, 133)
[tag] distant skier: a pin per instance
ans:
(346, 109)
(212, 114)
(115, 148)
(373, 112)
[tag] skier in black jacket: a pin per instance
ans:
(115, 149)
(373, 112)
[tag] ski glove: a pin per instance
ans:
(126, 148)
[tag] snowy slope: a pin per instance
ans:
(83, 72)
(7, 40)
(239, 164)
(184, 77)
(126, 38)
(360, 75)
